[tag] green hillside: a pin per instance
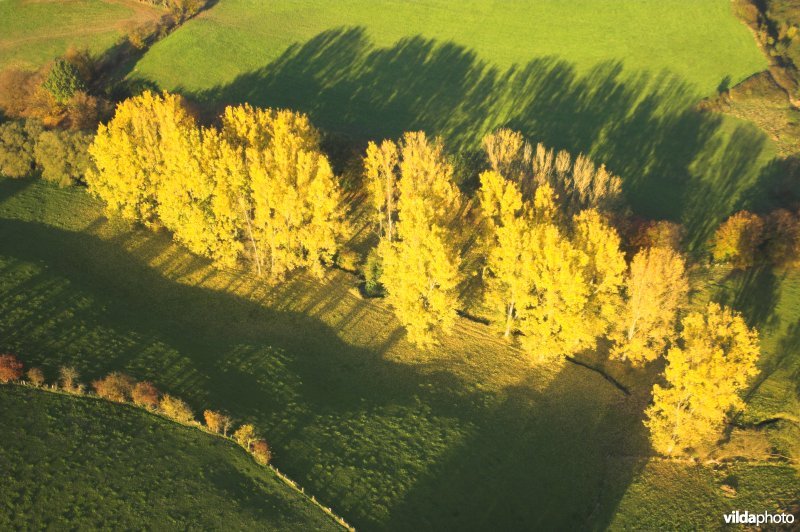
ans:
(78, 463)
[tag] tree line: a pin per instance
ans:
(121, 388)
(557, 278)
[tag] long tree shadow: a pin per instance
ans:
(389, 444)
(676, 162)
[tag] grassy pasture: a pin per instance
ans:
(618, 80)
(80, 463)
(33, 32)
(468, 435)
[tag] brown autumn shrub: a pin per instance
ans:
(658, 234)
(84, 111)
(737, 239)
(783, 238)
(217, 421)
(261, 452)
(245, 435)
(145, 394)
(10, 368)
(114, 387)
(68, 378)
(16, 90)
(176, 409)
(35, 376)
(82, 60)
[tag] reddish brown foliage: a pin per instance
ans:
(261, 452)
(145, 394)
(115, 387)
(10, 368)
(216, 421)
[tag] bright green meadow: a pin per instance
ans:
(33, 32)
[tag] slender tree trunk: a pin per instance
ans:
(256, 252)
(509, 319)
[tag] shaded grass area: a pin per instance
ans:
(391, 437)
(80, 463)
(670, 496)
(701, 42)
(470, 435)
(34, 32)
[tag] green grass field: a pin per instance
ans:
(33, 32)
(468, 435)
(79, 463)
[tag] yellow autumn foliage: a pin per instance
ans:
(262, 179)
(129, 157)
(715, 361)
(655, 290)
(420, 267)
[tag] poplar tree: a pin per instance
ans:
(380, 171)
(705, 373)
(420, 267)
(128, 154)
(604, 271)
(655, 290)
(290, 201)
(509, 254)
(554, 324)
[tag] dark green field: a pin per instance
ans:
(76, 463)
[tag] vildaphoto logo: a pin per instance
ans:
(747, 518)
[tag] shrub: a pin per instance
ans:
(18, 90)
(659, 234)
(174, 408)
(184, 9)
(68, 377)
(115, 387)
(35, 376)
(85, 111)
(738, 238)
(261, 452)
(16, 149)
(373, 270)
(82, 60)
(348, 260)
(217, 422)
(145, 394)
(245, 435)
(63, 81)
(10, 368)
(783, 240)
(63, 155)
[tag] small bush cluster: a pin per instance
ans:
(57, 94)
(60, 155)
(122, 388)
(10, 368)
(746, 239)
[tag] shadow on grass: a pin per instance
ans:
(387, 444)
(677, 162)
